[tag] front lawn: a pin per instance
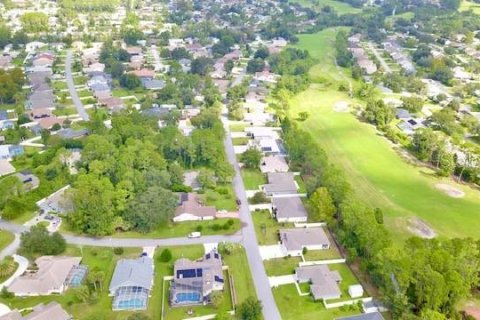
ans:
(266, 227)
(295, 307)
(5, 239)
(222, 198)
(181, 229)
(242, 141)
(238, 127)
(281, 266)
(253, 178)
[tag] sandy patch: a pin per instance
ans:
(473, 311)
(450, 191)
(421, 228)
(341, 106)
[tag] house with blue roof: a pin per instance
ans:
(9, 151)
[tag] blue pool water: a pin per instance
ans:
(131, 304)
(188, 297)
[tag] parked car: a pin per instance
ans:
(194, 235)
(239, 202)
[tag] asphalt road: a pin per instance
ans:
(118, 242)
(71, 87)
(250, 243)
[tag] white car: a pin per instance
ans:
(194, 235)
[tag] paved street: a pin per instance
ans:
(262, 285)
(117, 242)
(374, 50)
(71, 87)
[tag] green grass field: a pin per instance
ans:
(340, 7)
(253, 179)
(5, 239)
(375, 170)
(470, 5)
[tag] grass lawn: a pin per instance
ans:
(301, 184)
(105, 260)
(84, 93)
(174, 230)
(281, 266)
(375, 170)
(240, 141)
(219, 199)
(294, 307)
(315, 255)
(253, 178)
(266, 227)
(238, 127)
(59, 85)
(348, 279)
(469, 5)
(64, 111)
(5, 239)
(80, 80)
(340, 7)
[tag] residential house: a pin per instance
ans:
(132, 283)
(57, 202)
(190, 179)
(273, 164)
(190, 208)
(51, 311)
(323, 281)
(144, 73)
(113, 104)
(403, 114)
(294, 240)
(6, 168)
(50, 278)
(194, 281)
(153, 84)
(29, 180)
(69, 133)
(410, 126)
(9, 151)
(364, 316)
(280, 183)
(289, 209)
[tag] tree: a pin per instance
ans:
(166, 255)
(38, 241)
(424, 143)
(255, 65)
(250, 309)
(130, 81)
(34, 22)
(412, 104)
(206, 178)
(378, 113)
(201, 66)
(251, 158)
(5, 35)
(96, 278)
(262, 53)
(7, 267)
(150, 209)
(45, 134)
(322, 206)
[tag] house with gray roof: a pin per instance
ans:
(289, 209)
(323, 281)
(131, 284)
(280, 183)
(50, 278)
(153, 84)
(364, 316)
(69, 133)
(9, 151)
(294, 240)
(194, 281)
(51, 311)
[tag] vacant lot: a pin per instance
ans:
(375, 170)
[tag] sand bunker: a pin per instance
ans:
(421, 229)
(450, 191)
(341, 106)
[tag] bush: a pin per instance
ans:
(216, 227)
(38, 241)
(118, 251)
(5, 294)
(166, 255)
(259, 197)
(222, 190)
(199, 228)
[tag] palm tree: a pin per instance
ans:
(7, 267)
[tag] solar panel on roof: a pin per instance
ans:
(207, 256)
(188, 273)
(199, 272)
(218, 279)
(215, 255)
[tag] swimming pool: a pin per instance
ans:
(185, 297)
(132, 304)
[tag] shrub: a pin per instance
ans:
(258, 197)
(216, 227)
(199, 228)
(6, 294)
(118, 251)
(166, 255)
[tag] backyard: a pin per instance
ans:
(266, 227)
(340, 7)
(378, 173)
